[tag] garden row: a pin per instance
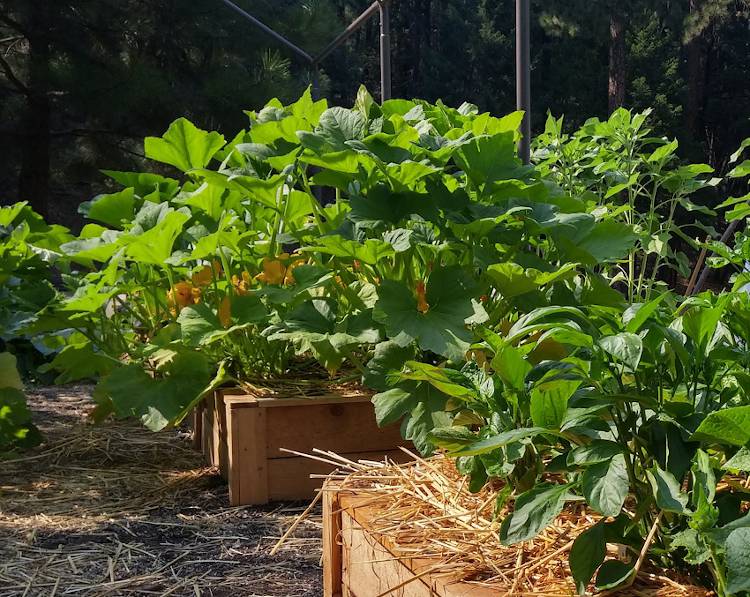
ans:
(514, 316)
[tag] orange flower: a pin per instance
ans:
(242, 284)
(422, 304)
(206, 275)
(289, 277)
(181, 295)
(225, 312)
(273, 271)
(357, 265)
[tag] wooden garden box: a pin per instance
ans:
(358, 561)
(242, 434)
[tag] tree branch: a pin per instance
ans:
(13, 24)
(12, 77)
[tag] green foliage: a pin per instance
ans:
(434, 223)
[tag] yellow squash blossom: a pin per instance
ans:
(181, 295)
(205, 276)
(422, 305)
(225, 312)
(273, 271)
(289, 276)
(242, 283)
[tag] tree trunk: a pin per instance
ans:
(616, 60)
(696, 52)
(34, 177)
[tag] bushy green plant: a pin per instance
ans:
(28, 250)
(638, 179)
(235, 270)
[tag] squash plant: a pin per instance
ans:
(28, 250)
(233, 269)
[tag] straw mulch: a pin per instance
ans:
(118, 510)
(425, 510)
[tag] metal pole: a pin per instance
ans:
(348, 32)
(523, 76)
(270, 32)
(315, 80)
(385, 50)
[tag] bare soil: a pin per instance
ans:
(115, 509)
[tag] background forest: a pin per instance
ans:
(83, 81)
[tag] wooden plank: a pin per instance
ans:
(383, 555)
(338, 427)
(331, 545)
(322, 399)
(289, 478)
(221, 447)
(370, 570)
(198, 426)
(247, 466)
(210, 433)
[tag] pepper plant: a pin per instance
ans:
(638, 179)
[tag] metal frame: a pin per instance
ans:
(382, 7)
(378, 6)
(523, 76)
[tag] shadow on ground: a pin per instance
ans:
(118, 510)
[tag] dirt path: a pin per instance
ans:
(118, 510)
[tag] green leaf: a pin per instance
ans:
(388, 357)
(452, 438)
(442, 328)
(184, 146)
(667, 491)
(155, 245)
(613, 573)
(597, 451)
(741, 170)
(605, 485)
(532, 512)
(112, 209)
(727, 426)
(391, 405)
(80, 361)
(704, 479)
(511, 279)
(372, 251)
(197, 324)
(549, 402)
(625, 347)
(448, 381)
(339, 125)
(738, 561)
(636, 315)
(159, 401)
(508, 360)
(743, 146)
(9, 376)
(696, 548)
(489, 158)
(664, 151)
(498, 441)
(739, 462)
(16, 428)
(608, 240)
(586, 555)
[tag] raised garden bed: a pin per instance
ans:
(417, 531)
(251, 436)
